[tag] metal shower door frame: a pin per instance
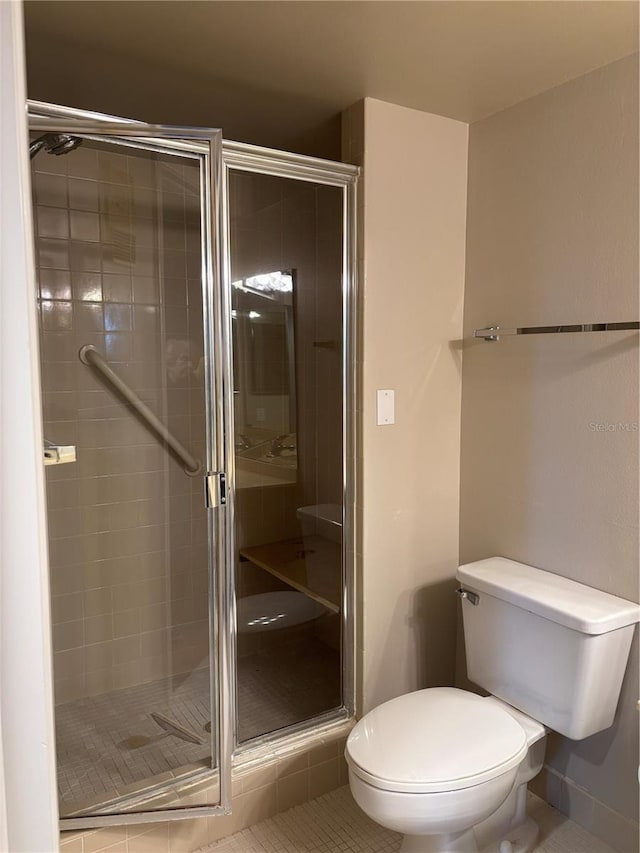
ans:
(242, 157)
(205, 144)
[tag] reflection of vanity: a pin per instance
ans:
(266, 461)
(264, 370)
(264, 353)
(266, 436)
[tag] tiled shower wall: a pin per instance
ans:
(118, 257)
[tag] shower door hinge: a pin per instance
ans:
(215, 489)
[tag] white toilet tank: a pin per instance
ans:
(553, 648)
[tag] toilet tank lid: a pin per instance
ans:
(552, 596)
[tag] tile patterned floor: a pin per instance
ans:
(334, 824)
(97, 762)
(277, 688)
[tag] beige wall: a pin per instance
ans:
(553, 238)
(413, 239)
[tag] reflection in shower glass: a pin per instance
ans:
(286, 270)
(118, 254)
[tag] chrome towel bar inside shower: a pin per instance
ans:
(90, 356)
(494, 333)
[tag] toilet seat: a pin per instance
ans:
(435, 740)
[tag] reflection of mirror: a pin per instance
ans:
(263, 345)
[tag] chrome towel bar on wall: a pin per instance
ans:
(90, 356)
(494, 333)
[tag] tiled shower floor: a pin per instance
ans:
(284, 686)
(97, 761)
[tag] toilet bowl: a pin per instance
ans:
(438, 764)
(449, 768)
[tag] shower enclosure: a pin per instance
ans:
(196, 324)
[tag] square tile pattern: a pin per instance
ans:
(118, 258)
(333, 823)
(110, 743)
(277, 688)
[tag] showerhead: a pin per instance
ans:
(54, 143)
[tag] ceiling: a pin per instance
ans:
(279, 73)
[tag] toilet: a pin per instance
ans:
(448, 768)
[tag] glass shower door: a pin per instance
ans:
(288, 279)
(131, 341)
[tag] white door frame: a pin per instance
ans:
(30, 803)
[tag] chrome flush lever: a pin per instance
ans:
(473, 597)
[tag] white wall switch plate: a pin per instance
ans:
(386, 413)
